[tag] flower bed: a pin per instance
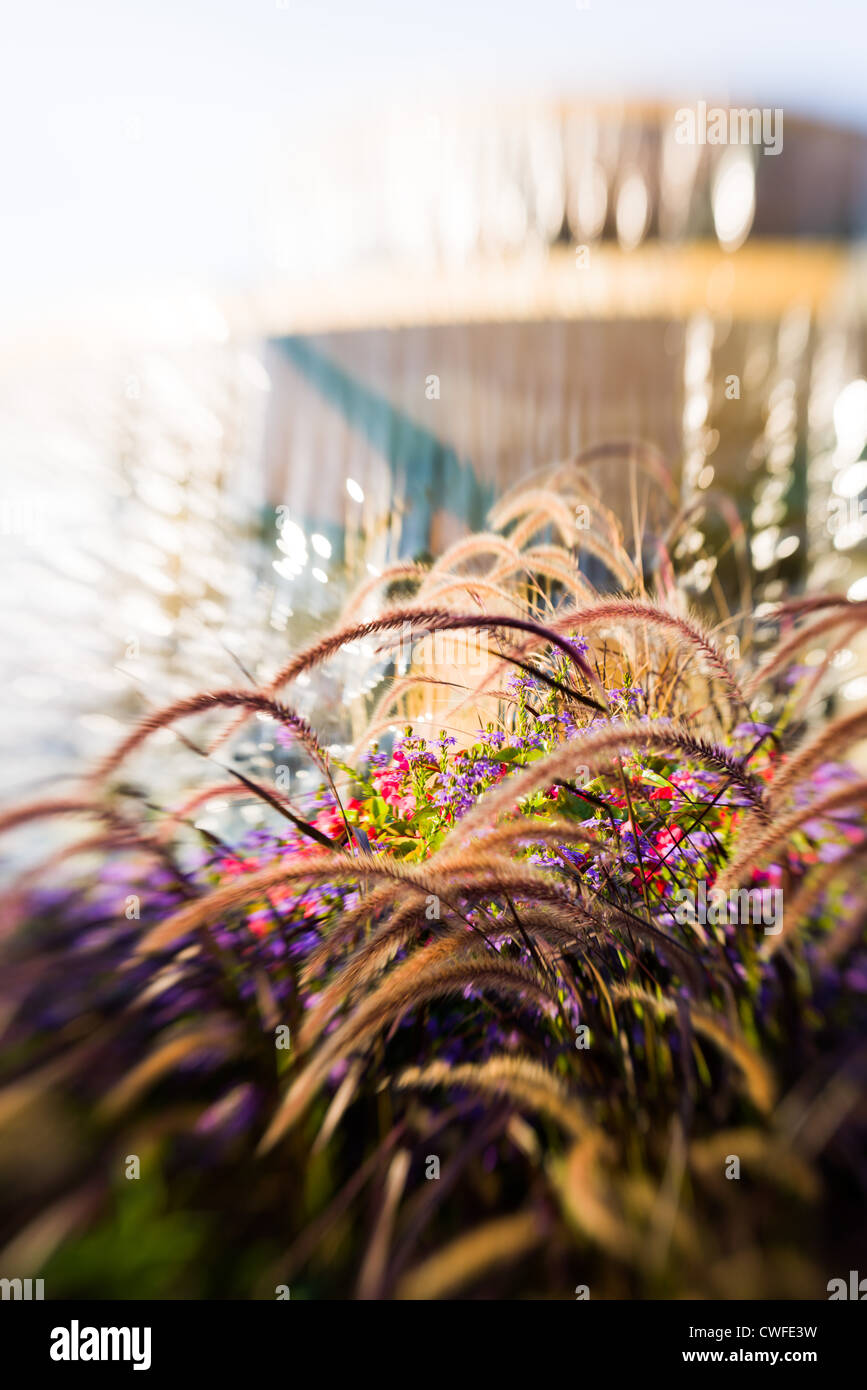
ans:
(549, 998)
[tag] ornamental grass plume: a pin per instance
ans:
(439, 1025)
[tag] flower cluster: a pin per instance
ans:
(415, 919)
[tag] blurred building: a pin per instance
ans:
(452, 304)
(511, 287)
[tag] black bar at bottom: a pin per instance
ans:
(242, 1339)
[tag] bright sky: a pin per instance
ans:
(135, 137)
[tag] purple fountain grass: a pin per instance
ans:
(472, 946)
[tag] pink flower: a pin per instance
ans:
(403, 803)
(330, 822)
(668, 838)
(390, 786)
(232, 867)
